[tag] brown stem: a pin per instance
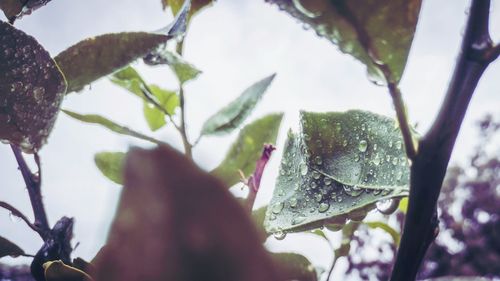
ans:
(253, 182)
(429, 166)
(33, 185)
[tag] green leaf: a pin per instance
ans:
(235, 113)
(387, 228)
(247, 149)
(295, 267)
(345, 243)
(129, 79)
(58, 271)
(168, 100)
(373, 31)
(196, 5)
(99, 56)
(338, 167)
(111, 165)
(31, 90)
(403, 205)
(8, 248)
(182, 69)
(99, 120)
(170, 216)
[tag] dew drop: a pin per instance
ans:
(318, 197)
(293, 202)
(279, 235)
(298, 219)
(316, 175)
(38, 94)
(323, 207)
(327, 180)
(363, 145)
(318, 160)
(303, 169)
(276, 209)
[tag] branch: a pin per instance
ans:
(253, 182)
(20, 215)
(397, 100)
(33, 185)
(429, 166)
(187, 145)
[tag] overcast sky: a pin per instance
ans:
(234, 43)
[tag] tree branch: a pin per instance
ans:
(187, 145)
(33, 185)
(429, 166)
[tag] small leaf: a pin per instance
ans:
(374, 32)
(247, 149)
(170, 216)
(128, 78)
(99, 56)
(31, 90)
(234, 114)
(99, 120)
(387, 228)
(337, 168)
(295, 267)
(167, 99)
(196, 5)
(182, 69)
(58, 271)
(320, 233)
(403, 205)
(111, 165)
(8, 248)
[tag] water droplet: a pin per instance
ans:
(363, 145)
(394, 161)
(327, 180)
(298, 219)
(356, 158)
(14, 218)
(303, 169)
(293, 202)
(353, 191)
(318, 160)
(277, 207)
(323, 207)
(318, 197)
(279, 235)
(38, 94)
(304, 10)
(316, 175)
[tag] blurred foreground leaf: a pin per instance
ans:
(31, 90)
(182, 223)
(246, 150)
(235, 113)
(295, 267)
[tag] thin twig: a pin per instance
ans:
(17, 213)
(429, 166)
(188, 147)
(33, 185)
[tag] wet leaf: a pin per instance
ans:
(387, 228)
(337, 168)
(99, 120)
(182, 69)
(247, 149)
(31, 90)
(182, 223)
(235, 113)
(58, 271)
(128, 78)
(99, 56)
(111, 165)
(374, 31)
(295, 267)
(8, 248)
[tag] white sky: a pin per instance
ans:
(234, 43)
